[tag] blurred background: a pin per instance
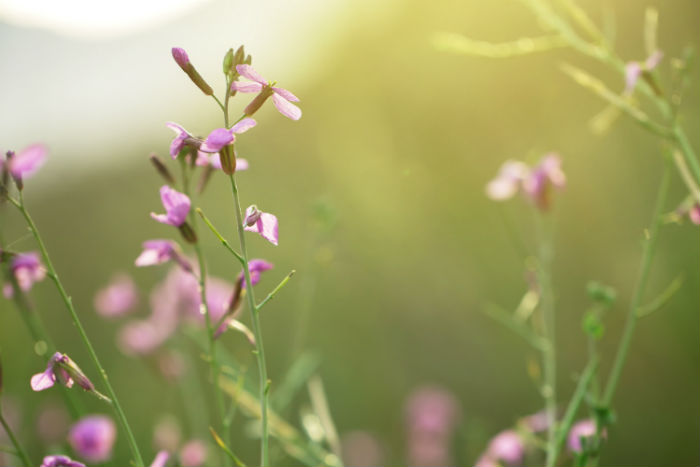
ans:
(380, 193)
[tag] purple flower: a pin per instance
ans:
(431, 416)
(142, 337)
(160, 459)
(263, 223)
(205, 159)
(509, 180)
(221, 137)
(118, 298)
(177, 206)
(60, 461)
(581, 429)
(66, 370)
(180, 139)
(515, 176)
(180, 57)
(256, 267)
(508, 447)
(27, 269)
(92, 438)
(634, 70)
(193, 453)
(161, 251)
(26, 162)
(280, 97)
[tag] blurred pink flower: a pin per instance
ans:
(634, 70)
(535, 183)
(177, 206)
(92, 438)
(66, 370)
(27, 269)
(212, 159)
(508, 447)
(509, 180)
(280, 97)
(161, 251)
(221, 137)
(694, 214)
(25, 163)
(256, 267)
(262, 223)
(581, 429)
(60, 461)
(193, 453)
(160, 459)
(118, 298)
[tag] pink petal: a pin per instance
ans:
(250, 73)
(653, 60)
(244, 125)
(45, 380)
(241, 164)
(28, 161)
(176, 128)
(246, 86)
(632, 73)
(286, 108)
(160, 459)
(217, 139)
(286, 94)
(267, 226)
(162, 218)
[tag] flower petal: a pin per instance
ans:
(45, 380)
(286, 108)
(28, 161)
(250, 73)
(246, 86)
(633, 71)
(244, 125)
(217, 139)
(267, 226)
(286, 94)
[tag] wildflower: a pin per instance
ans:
(508, 447)
(118, 298)
(221, 137)
(280, 97)
(508, 181)
(26, 162)
(193, 453)
(161, 251)
(515, 176)
(205, 159)
(256, 267)
(694, 214)
(263, 223)
(92, 438)
(160, 459)
(183, 62)
(141, 337)
(66, 370)
(27, 269)
(60, 461)
(634, 70)
(177, 206)
(582, 430)
(432, 414)
(182, 138)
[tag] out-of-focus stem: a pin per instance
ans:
(647, 255)
(138, 460)
(18, 447)
(260, 350)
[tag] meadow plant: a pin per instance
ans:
(654, 104)
(188, 305)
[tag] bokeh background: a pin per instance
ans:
(395, 146)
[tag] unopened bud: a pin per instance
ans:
(258, 101)
(74, 372)
(227, 156)
(228, 62)
(17, 178)
(188, 233)
(183, 61)
(240, 55)
(253, 217)
(162, 169)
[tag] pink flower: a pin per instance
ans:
(634, 70)
(507, 446)
(177, 206)
(256, 267)
(221, 137)
(263, 223)
(161, 251)
(26, 162)
(27, 269)
(431, 415)
(142, 337)
(180, 57)
(193, 453)
(180, 139)
(581, 429)
(160, 459)
(66, 370)
(118, 298)
(694, 214)
(280, 97)
(92, 438)
(509, 180)
(60, 461)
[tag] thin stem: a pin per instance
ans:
(687, 151)
(260, 351)
(647, 255)
(20, 452)
(271, 295)
(218, 235)
(138, 460)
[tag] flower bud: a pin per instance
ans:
(227, 156)
(228, 62)
(183, 61)
(74, 372)
(16, 177)
(253, 216)
(162, 169)
(188, 233)
(259, 100)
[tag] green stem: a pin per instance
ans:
(260, 351)
(83, 335)
(687, 151)
(647, 255)
(21, 453)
